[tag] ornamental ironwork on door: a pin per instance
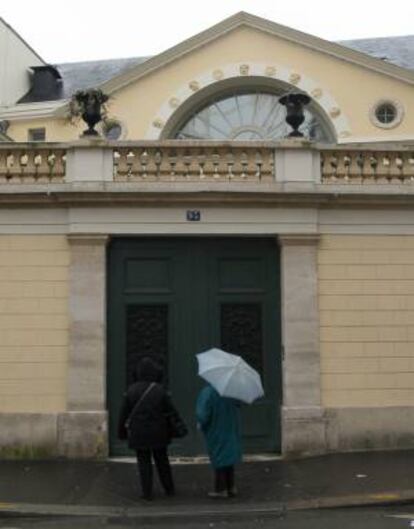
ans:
(241, 332)
(147, 336)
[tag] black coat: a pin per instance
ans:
(148, 427)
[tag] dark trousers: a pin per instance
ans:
(144, 460)
(224, 479)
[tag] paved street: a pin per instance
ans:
(351, 518)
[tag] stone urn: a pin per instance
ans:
(89, 105)
(294, 104)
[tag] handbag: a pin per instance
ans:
(137, 404)
(176, 426)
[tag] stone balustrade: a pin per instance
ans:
(365, 166)
(202, 161)
(31, 164)
(194, 163)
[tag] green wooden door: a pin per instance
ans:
(172, 298)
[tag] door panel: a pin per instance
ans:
(173, 298)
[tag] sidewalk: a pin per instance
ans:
(110, 488)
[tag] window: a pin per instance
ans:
(247, 116)
(37, 134)
(386, 114)
(112, 130)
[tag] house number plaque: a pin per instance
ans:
(193, 215)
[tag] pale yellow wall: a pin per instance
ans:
(366, 299)
(33, 323)
(354, 88)
(56, 130)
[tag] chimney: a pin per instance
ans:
(46, 85)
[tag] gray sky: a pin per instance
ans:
(80, 30)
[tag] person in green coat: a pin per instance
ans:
(219, 420)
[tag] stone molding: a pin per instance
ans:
(311, 239)
(89, 239)
(300, 320)
(309, 430)
(86, 384)
(276, 73)
(47, 435)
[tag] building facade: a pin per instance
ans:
(194, 222)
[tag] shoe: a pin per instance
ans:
(217, 495)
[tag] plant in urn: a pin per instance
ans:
(90, 106)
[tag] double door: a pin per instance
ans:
(171, 298)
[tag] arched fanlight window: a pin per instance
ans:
(253, 115)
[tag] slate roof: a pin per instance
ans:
(90, 74)
(396, 50)
(82, 75)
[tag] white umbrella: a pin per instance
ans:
(230, 375)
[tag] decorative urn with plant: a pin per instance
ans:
(294, 104)
(90, 106)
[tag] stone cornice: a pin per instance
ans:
(278, 195)
(30, 110)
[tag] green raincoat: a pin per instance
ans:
(219, 419)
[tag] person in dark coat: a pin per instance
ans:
(148, 429)
(219, 420)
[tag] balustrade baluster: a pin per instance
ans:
(165, 165)
(244, 164)
(60, 166)
(208, 167)
(133, 161)
(355, 167)
(134, 165)
(157, 161)
(237, 168)
(395, 168)
(121, 164)
(44, 168)
(172, 157)
(143, 163)
(180, 168)
(369, 167)
(216, 164)
(383, 168)
(201, 159)
(342, 170)
(329, 163)
(268, 164)
(251, 167)
(229, 164)
(194, 166)
(14, 170)
(407, 169)
(3, 167)
(221, 167)
(28, 167)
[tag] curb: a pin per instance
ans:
(159, 513)
(354, 500)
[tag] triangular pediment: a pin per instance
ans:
(243, 19)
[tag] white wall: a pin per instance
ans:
(16, 57)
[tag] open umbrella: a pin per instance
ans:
(230, 375)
